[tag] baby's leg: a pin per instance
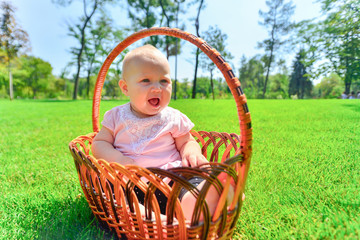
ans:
(161, 198)
(212, 199)
(143, 212)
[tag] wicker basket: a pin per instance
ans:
(109, 188)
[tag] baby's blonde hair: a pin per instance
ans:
(147, 50)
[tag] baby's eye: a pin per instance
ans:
(145, 80)
(164, 81)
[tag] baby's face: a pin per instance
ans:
(148, 84)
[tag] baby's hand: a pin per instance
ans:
(193, 160)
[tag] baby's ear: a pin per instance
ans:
(123, 87)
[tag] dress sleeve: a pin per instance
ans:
(182, 125)
(109, 120)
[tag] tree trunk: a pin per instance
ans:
(76, 85)
(195, 74)
(212, 84)
(271, 52)
(347, 88)
(88, 84)
(347, 81)
(197, 51)
(176, 51)
(175, 85)
(11, 90)
(268, 70)
(348, 76)
(168, 25)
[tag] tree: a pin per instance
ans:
(170, 10)
(338, 38)
(144, 15)
(89, 9)
(278, 86)
(37, 74)
(197, 26)
(277, 21)
(300, 84)
(329, 87)
(215, 38)
(13, 39)
(279, 82)
(251, 75)
(99, 37)
(309, 44)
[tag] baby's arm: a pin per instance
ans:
(102, 147)
(189, 150)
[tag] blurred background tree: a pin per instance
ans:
(278, 22)
(300, 85)
(215, 38)
(13, 39)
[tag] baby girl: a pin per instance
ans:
(146, 131)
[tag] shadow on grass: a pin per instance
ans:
(71, 219)
(355, 107)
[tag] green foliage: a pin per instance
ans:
(303, 181)
(197, 51)
(329, 87)
(112, 88)
(204, 88)
(32, 78)
(99, 42)
(36, 73)
(251, 76)
(300, 85)
(12, 37)
(215, 38)
(170, 10)
(79, 31)
(277, 21)
(337, 39)
(341, 39)
(144, 15)
(95, 35)
(278, 86)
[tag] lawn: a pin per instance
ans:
(304, 179)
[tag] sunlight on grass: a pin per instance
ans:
(304, 180)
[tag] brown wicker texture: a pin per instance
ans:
(109, 187)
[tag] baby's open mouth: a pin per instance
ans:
(154, 102)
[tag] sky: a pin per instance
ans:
(45, 23)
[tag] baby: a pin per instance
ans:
(145, 131)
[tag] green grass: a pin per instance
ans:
(304, 180)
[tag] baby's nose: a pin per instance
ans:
(156, 87)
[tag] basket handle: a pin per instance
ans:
(213, 54)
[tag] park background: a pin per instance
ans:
(304, 177)
(278, 49)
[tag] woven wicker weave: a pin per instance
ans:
(108, 188)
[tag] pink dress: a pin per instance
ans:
(148, 141)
